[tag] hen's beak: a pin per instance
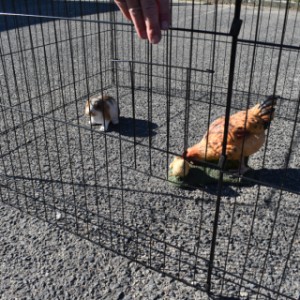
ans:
(186, 158)
(184, 154)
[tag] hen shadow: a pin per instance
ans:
(285, 179)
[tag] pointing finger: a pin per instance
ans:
(150, 11)
(134, 12)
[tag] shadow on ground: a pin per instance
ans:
(285, 179)
(224, 298)
(135, 127)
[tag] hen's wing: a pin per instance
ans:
(247, 123)
(211, 144)
(244, 135)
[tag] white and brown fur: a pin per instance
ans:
(102, 111)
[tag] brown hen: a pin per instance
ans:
(246, 135)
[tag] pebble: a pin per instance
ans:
(58, 215)
(244, 294)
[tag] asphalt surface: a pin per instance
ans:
(69, 192)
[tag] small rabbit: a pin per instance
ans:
(102, 111)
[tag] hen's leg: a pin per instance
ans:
(243, 167)
(246, 160)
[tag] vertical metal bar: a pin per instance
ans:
(252, 70)
(61, 89)
(281, 44)
(168, 93)
(165, 254)
(14, 127)
(86, 73)
(188, 81)
(52, 106)
(9, 153)
(106, 149)
(120, 160)
(236, 24)
(150, 251)
(97, 194)
(113, 44)
(293, 140)
(266, 144)
(187, 100)
(13, 119)
(213, 62)
(228, 245)
(149, 98)
(132, 77)
(35, 58)
(259, 187)
(179, 262)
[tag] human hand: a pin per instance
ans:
(148, 16)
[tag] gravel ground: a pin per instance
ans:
(39, 261)
(112, 189)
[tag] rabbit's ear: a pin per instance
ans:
(87, 108)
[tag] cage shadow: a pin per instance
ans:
(212, 297)
(48, 8)
(131, 127)
(285, 179)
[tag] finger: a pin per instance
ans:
(164, 14)
(123, 7)
(136, 15)
(151, 15)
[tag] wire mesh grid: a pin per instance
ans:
(111, 188)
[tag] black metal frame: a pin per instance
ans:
(55, 54)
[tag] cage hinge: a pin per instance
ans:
(222, 162)
(235, 27)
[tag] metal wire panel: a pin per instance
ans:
(111, 188)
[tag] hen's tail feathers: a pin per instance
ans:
(266, 110)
